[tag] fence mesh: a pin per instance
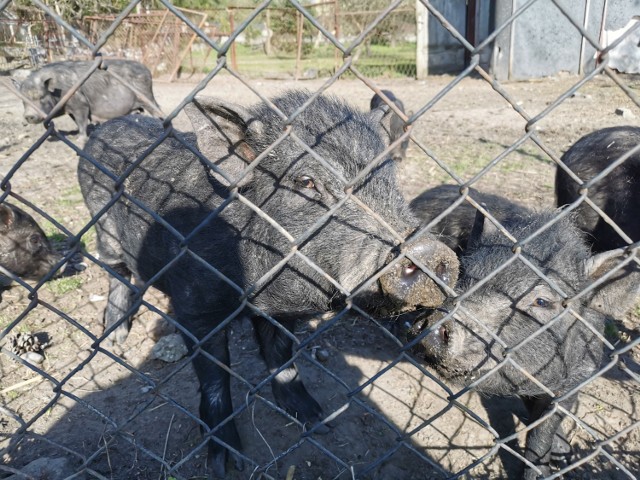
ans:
(86, 408)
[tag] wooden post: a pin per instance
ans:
(336, 28)
(268, 50)
(145, 58)
(422, 41)
(187, 49)
(232, 27)
(176, 38)
(299, 26)
(471, 22)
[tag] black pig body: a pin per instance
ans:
(455, 228)
(101, 97)
(24, 248)
(291, 187)
(515, 304)
(396, 125)
(617, 194)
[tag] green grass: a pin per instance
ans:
(88, 238)
(65, 285)
(5, 320)
(22, 327)
(70, 197)
(374, 61)
(611, 331)
(13, 394)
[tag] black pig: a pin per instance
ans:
(25, 250)
(396, 125)
(617, 194)
(455, 228)
(101, 97)
(293, 188)
(465, 339)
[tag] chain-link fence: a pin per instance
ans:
(280, 235)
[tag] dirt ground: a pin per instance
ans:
(130, 418)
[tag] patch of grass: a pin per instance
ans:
(65, 285)
(5, 320)
(372, 61)
(53, 234)
(70, 197)
(88, 238)
(22, 327)
(13, 394)
(59, 240)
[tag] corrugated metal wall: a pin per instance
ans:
(539, 42)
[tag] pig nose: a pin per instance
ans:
(435, 343)
(437, 257)
(412, 287)
(410, 272)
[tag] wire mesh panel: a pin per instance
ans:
(293, 315)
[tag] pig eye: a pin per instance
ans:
(542, 303)
(34, 240)
(305, 181)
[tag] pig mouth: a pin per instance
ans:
(439, 358)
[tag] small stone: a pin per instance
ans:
(322, 355)
(32, 357)
(80, 266)
(586, 96)
(625, 113)
(96, 298)
(169, 349)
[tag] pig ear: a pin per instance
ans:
(7, 217)
(382, 116)
(49, 84)
(599, 264)
(221, 129)
(409, 115)
(480, 227)
(620, 292)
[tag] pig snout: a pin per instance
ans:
(433, 345)
(411, 286)
(31, 115)
(32, 118)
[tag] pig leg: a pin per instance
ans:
(215, 396)
(540, 440)
(120, 301)
(288, 389)
(78, 108)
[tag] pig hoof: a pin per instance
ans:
(119, 335)
(217, 464)
(238, 463)
(320, 428)
(216, 468)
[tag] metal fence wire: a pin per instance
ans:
(91, 409)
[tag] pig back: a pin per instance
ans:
(616, 194)
(171, 190)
